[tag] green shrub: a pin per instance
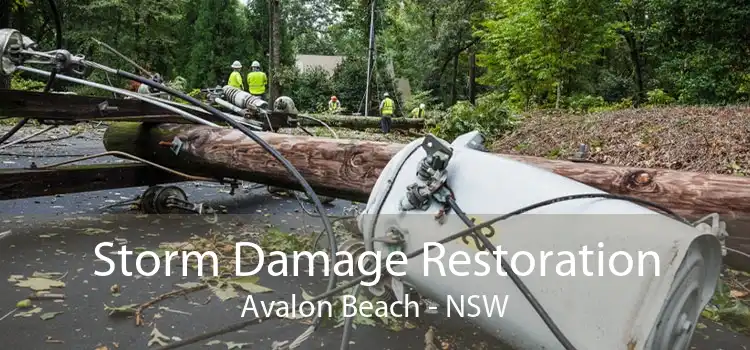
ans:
(19, 83)
(585, 103)
(490, 116)
(658, 97)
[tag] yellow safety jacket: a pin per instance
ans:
(235, 80)
(417, 112)
(387, 107)
(256, 82)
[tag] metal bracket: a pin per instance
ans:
(104, 107)
(176, 146)
(716, 228)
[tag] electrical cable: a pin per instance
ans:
(14, 130)
(132, 157)
(738, 252)
(21, 140)
(488, 246)
(424, 249)
(336, 136)
(275, 153)
(136, 95)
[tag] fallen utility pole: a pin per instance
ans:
(362, 123)
(349, 168)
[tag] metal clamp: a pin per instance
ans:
(716, 228)
(431, 176)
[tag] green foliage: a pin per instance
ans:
(727, 309)
(19, 83)
(310, 89)
(490, 116)
(658, 97)
(586, 103)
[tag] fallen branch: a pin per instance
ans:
(362, 123)
(141, 307)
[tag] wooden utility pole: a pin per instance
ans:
(274, 64)
(370, 55)
(348, 168)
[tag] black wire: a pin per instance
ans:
(414, 254)
(14, 130)
(275, 153)
(514, 277)
(58, 24)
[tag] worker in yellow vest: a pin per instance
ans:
(256, 81)
(235, 79)
(386, 113)
(417, 112)
(334, 105)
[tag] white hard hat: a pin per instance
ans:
(385, 94)
(255, 64)
(236, 64)
(421, 105)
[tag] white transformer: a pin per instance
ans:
(596, 311)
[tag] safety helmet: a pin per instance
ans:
(385, 94)
(333, 98)
(236, 65)
(255, 64)
(421, 105)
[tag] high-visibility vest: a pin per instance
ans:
(417, 112)
(235, 80)
(256, 82)
(334, 105)
(387, 108)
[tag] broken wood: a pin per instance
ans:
(362, 123)
(26, 183)
(50, 106)
(348, 169)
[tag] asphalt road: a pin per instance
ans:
(46, 236)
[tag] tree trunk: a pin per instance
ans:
(455, 77)
(362, 123)
(4, 23)
(350, 168)
(472, 75)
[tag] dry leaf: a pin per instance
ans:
(248, 284)
(29, 313)
(49, 315)
(188, 285)
(225, 292)
(38, 284)
(739, 294)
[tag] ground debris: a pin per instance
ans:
(703, 139)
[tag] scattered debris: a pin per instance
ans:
(91, 231)
(49, 315)
(29, 313)
(248, 283)
(232, 345)
(23, 304)
(164, 308)
(39, 283)
(158, 338)
(124, 310)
